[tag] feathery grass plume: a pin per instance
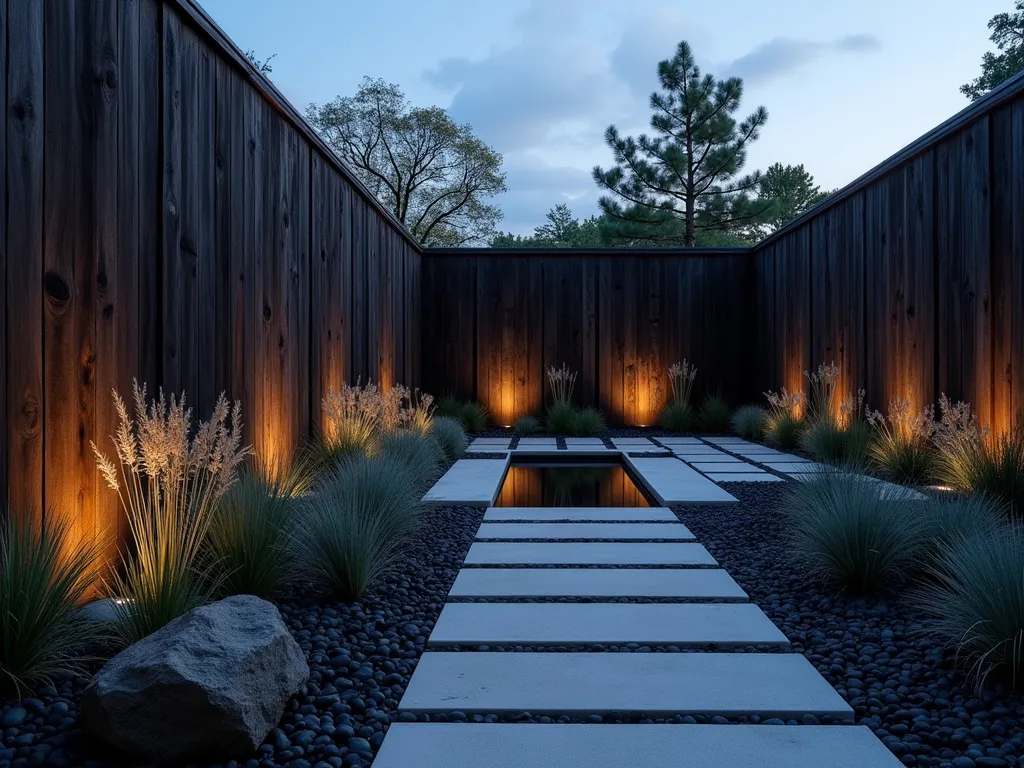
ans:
(169, 484)
(474, 417)
(247, 544)
(847, 535)
(353, 529)
(421, 455)
(450, 437)
(783, 424)
(588, 422)
(681, 376)
(852, 410)
(44, 576)
(676, 417)
(526, 426)
(561, 418)
(713, 415)
(351, 421)
(748, 422)
(972, 460)
(420, 412)
(952, 517)
(823, 401)
(975, 602)
(562, 382)
(901, 446)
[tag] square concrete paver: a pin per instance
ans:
(631, 442)
(524, 441)
(682, 624)
(469, 482)
(679, 441)
(577, 745)
(783, 685)
(571, 441)
(675, 483)
(580, 514)
(744, 477)
(487, 449)
(589, 553)
(724, 466)
(586, 531)
(777, 458)
(682, 583)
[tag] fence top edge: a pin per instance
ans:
(205, 24)
(976, 110)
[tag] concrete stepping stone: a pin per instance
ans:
(469, 482)
(672, 482)
(683, 624)
(744, 477)
(525, 441)
(683, 583)
(723, 466)
(631, 441)
(580, 514)
(575, 441)
(783, 685)
(730, 441)
(525, 745)
(589, 553)
(480, 440)
(753, 452)
(588, 448)
(777, 458)
(612, 531)
(487, 449)
(679, 441)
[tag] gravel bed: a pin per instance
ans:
(901, 684)
(360, 655)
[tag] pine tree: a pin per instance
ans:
(686, 179)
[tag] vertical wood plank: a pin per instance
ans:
(21, 197)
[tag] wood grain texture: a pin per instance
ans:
(21, 195)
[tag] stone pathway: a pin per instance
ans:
(722, 656)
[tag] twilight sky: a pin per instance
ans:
(846, 84)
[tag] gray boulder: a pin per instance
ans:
(211, 683)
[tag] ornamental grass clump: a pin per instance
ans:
(526, 426)
(450, 437)
(421, 455)
(247, 544)
(901, 446)
(473, 416)
(783, 424)
(169, 482)
(949, 518)
(354, 528)
(44, 576)
(678, 416)
(975, 602)
(848, 536)
(830, 443)
(588, 422)
(972, 460)
(713, 415)
(560, 418)
(351, 424)
(748, 422)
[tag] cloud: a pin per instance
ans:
(536, 186)
(782, 55)
(652, 38)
